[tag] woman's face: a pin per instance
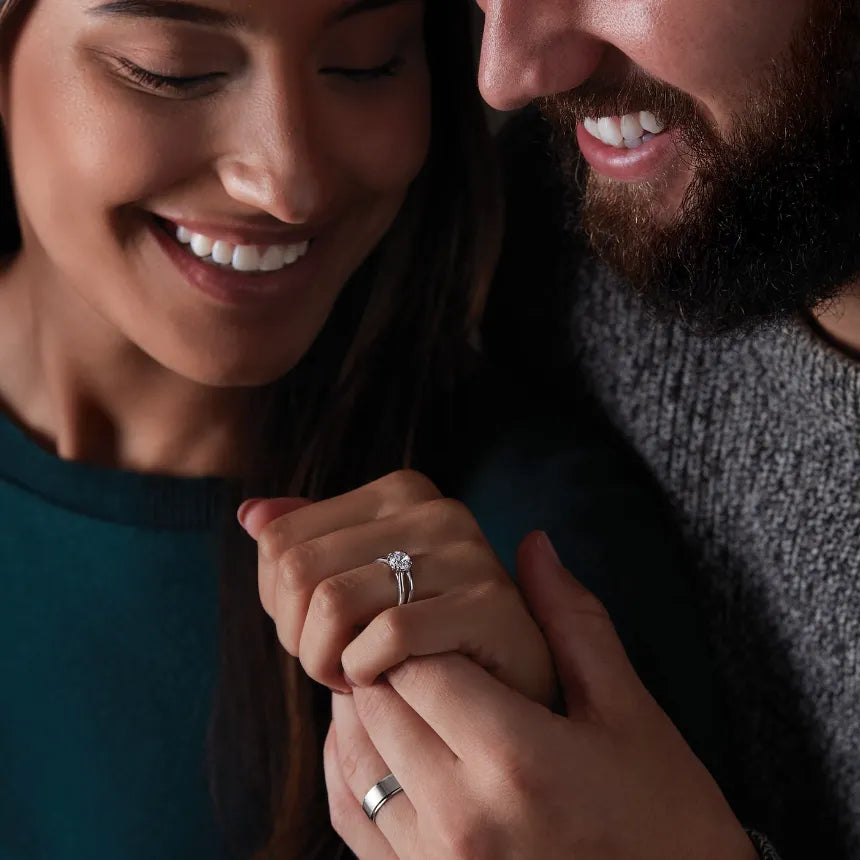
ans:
(290, 130)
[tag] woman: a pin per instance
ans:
(246, 246)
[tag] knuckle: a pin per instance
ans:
(407, 487)
(330, 599)
(418, 484)
(297, 570)
(513, 777)
(275, 539)
(350, 762)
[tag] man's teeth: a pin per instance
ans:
(628, 131)
(242, 258)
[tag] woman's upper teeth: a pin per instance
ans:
(628, 131)
(243, 258)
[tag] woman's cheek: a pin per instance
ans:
(166, 144)
(387, 142)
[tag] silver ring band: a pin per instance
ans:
(400, 563)
(379, 795)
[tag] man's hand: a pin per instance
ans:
(489, 774)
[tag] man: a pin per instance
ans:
(709, 155)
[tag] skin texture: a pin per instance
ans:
(731, 62)
(117, 360)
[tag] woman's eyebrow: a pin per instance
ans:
(173, 10)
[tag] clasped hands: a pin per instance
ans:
(453, 692)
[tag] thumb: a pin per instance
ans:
(255, 514)
(592, 666)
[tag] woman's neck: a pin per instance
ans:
(87, 393)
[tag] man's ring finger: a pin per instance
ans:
(379, 795)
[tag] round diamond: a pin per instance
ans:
(399, 561)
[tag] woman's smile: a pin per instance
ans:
(241, 273)
(244, 253)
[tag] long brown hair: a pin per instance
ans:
(390, 352)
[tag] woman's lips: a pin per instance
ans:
(642, 164)
(228, 286)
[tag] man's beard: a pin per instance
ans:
(769, 226)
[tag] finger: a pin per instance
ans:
(341, 606)
(425, 767)
(288, 585)
(488, 624)
(255, 514)
(362, 836)
(332, 549)
(592, 665)
(373, 501)
(477, 716)
(361, 767)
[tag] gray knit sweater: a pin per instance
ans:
(756, 442)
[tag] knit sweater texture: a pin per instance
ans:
(756, 441)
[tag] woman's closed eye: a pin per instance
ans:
(159, 82)
(184, 84)
(386, 70)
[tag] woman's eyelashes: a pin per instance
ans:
(386, 70)
(157, 82)
(181, 85)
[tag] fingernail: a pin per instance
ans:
(245, 511)
(349, 680)
(547, 548)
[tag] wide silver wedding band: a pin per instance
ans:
(401, 566)
(379, 795)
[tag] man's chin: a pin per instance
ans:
(656, 204)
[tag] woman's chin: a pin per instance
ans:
(225, 369)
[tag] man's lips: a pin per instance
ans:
(642, 164)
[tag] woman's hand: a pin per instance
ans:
(335, 605)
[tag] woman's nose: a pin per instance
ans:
(279, 164)
(534, 48)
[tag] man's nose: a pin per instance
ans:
(278, 162)
(534, 48)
